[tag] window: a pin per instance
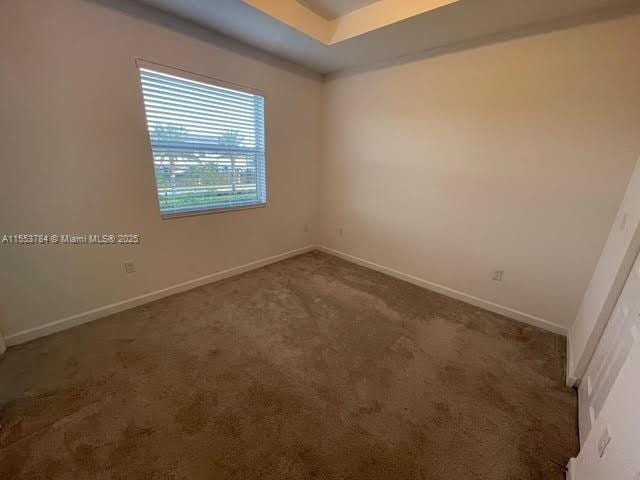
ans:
(207, 141)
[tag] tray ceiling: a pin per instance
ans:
(332, 9)
(372, 17)
(382, 30)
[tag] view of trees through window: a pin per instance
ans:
(207, 142)
(190, 178)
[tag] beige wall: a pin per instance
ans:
(76, 159)
(513, 156)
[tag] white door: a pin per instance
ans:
(621, 332)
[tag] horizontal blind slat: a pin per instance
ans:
(191, 87)
(164, 128)
(188, 95)
(209, 116)
(195, 86)
(206, 106)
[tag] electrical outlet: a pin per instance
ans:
(129, 267)
(497, 275)
(340, 231)
(605, 438)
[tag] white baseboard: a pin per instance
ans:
(103, 311)
(449, 292)
(571, 469)
(96, 313)
(571, 379)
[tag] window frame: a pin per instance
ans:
(216, 82)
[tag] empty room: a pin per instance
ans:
(320, 239)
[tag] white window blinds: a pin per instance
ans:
(207, 143)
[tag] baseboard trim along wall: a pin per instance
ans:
(571, 380)
(571, 466)
(449, 292)
(106, 310)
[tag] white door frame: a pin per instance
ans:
(618, 339)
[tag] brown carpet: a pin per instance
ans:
(309, 368)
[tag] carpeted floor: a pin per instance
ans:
(309, 368)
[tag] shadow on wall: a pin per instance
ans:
(183, 26)
(607, 13)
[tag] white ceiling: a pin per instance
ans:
(461, 23)
(332, 9)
